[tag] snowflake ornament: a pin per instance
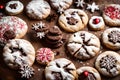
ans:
(80, 3)
(92, 7)
(26, 71)
(60, 10)
(38, 25)
(40, 34)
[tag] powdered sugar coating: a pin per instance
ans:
(18, 48)
(44, 55)
(38, 9)
(13, 23)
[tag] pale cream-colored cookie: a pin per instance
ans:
(73, 20)
(96, 23)
(111, 14)
(111, 38)
(83, 45)
(18, 52)
(88, 73)
(60, 69)
(38, 9)
(108, 63)
(14, 7)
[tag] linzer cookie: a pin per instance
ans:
(73, 20)
(108, 63)
(88, 73)
(38, 9)
(54, 37)
(111, 14)
(14, 7)
(83, 45)
(111, 38)
(60, 69)
(44, 55)
(96, 23)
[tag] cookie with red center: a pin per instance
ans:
(111, 14)
(96, 23)
(44, 55)
(88, 73)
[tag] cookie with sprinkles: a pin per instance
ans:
(111, 14)
(108, 63)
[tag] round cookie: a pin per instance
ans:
(18, 52)
(44, 55)
(111, 38)
(12, 27)
(14, 7)
(60, 69)
(38, 9)
(83, 45)
(64, 4)
(111, 14)
(73, 20)
(96, 23)
(108, 63)
(88, 73)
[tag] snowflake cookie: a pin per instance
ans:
(92, 7)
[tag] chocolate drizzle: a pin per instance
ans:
(89, 77)
(114, 36)
(13, 6)
(109, 63)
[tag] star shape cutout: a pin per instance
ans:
(80, 3)
(93, 7)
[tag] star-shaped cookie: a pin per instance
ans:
(92, 7)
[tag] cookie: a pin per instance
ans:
(108, 63)
(60, 69)
(88, 73)
(83, 45)
(41, 29)
(18, 52)
(44, 55)
(111, 38)
(73, 20)
(38, 9)
(12, 27)
(14, 7)
(54, 37)
(96, 23)
(111, 14)
(64, 4)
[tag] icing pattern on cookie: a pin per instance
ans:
(114, 36)
(13, 6)
(80, 3)
(93, 7)
(109, 63)
(113, 12)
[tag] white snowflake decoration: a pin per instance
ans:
(80, 3)
(40, 35)
(93, 7)
(26, 71)
(38, 25)
(60, 10)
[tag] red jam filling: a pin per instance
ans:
(96, 21)
(112, 12)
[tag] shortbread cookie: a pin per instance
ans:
(38, 9)
(12, 27)
(18, 52)
(83, 45)
(96, 23)
(108, 63)
(111, 38)
(44, 55)
(88, 73)
(64, 4)
(60, 69)
(73, 20)
(14, 7)
(111, 14)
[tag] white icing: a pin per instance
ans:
(93, 7)
(18, 8)
(40, 34)
(80, 3)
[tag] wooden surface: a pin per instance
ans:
(8, 74)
